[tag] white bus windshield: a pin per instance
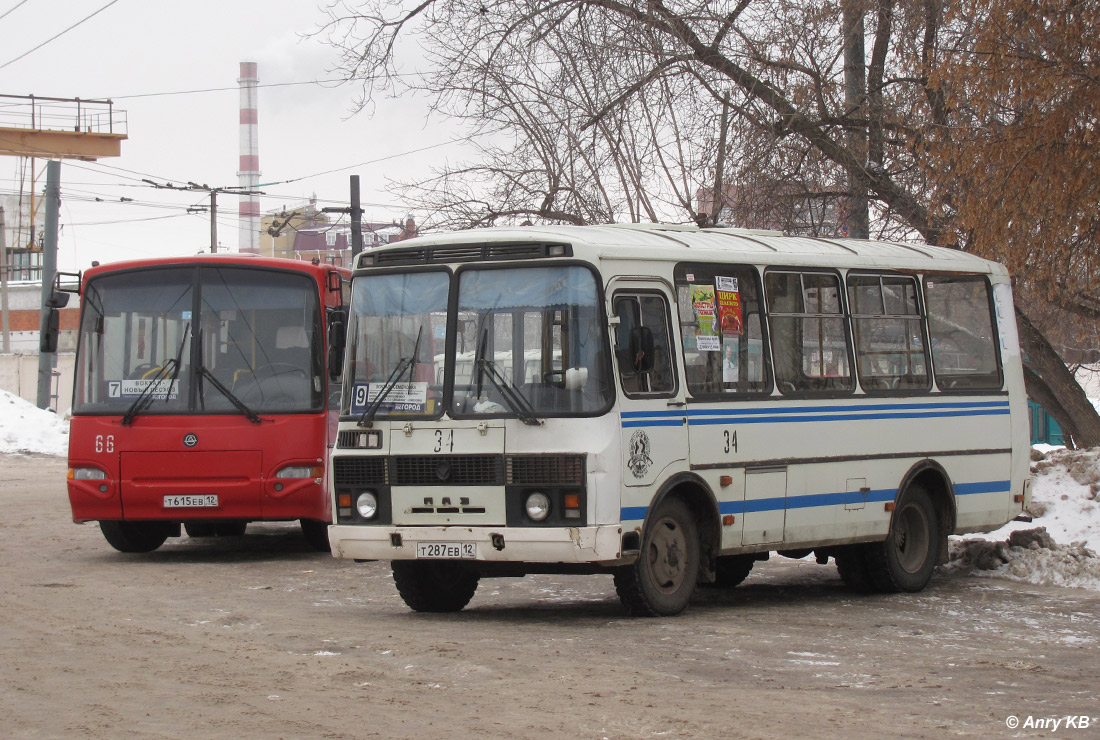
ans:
(200, 340)
(528, 343)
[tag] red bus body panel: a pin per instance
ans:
(231, 457)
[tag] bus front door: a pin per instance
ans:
(653, 413)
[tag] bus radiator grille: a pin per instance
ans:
(359, 471)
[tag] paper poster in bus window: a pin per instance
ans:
(728, 299)
(730, 361)
(702, 304)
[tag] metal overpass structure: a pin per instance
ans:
(60, 128)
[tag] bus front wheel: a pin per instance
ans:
(661, 581)
(439, 586)
(136, 536)
(904, 562)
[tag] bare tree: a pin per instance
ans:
(626, 109)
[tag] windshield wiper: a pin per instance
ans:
(144, 399)
(249, 413)
(516, 400)
(519, 403)
(405, 363)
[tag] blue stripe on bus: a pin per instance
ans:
(857, 416)
(813, 500)
(803, 414)
(803, 409)
(993, 486)
(657, 423)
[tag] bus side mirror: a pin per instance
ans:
(337, 338)
(642, 357)
(57, 299)
(48, 341)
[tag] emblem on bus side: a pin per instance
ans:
(190, 440)
(639, 454)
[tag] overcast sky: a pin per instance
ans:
(145, 55)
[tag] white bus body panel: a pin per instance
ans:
(783, 473)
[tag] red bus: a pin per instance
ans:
(204, 398)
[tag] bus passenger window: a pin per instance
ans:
(639, 375)
(721, 329)
(961, 331)
(808, 333)
(889, 337)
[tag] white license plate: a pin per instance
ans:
(446, 550)
(190, 501)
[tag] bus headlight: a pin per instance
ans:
(87, 474)
(367, 504)
(538, 506)
(299, 471)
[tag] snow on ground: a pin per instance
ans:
(1065, 502)
(27, 429)
(1059, 547)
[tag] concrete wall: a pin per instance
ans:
(19, 376)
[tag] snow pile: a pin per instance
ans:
(1059, 547)
(27, 429)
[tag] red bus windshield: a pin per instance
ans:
(205, 339)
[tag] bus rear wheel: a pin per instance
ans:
(851, 563)
(135, 536)
(904, 562)
(434, 586)
(661, 581)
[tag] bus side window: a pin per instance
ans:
(891, 352)
(643, 314)
(962, 334)
(721, 329)
(809, 335)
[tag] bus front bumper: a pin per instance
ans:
(600, 544)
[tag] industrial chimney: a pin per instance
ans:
(249, 173)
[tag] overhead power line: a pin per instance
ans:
(57, 35)
(9, 10)
(235, 88)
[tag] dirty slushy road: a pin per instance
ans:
(257, 637)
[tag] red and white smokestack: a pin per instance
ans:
(248, 175)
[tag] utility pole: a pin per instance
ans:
(195, 187)
(356, 219)
(855, 87)
(213, 221)
(356, 214)
(49, 267)
(4, 285)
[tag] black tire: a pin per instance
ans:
(851, 563)
(904, 562)
(135, 536)
(731, 570)
(437, 587)
(316, 534)
(661, 581)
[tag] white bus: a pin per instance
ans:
(670, 405)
